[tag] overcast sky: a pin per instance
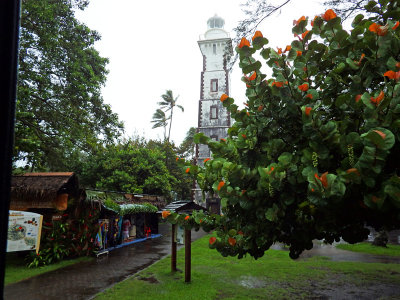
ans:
(152, 47)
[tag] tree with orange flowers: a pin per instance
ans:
(318, 156)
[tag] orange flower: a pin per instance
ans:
(206, 160)
(279, 50)
(309, 96)
(260, 108)
(383, 136)
(307, 111)
(223, 140)
(212, 240)
(312, 190)
(304, 34)
(220, 185)
(303, 87)
(375, 199)
(378, 29)
(358, 97)
(278, 84)
(353, 170)
(323, 179)
(187, 170)
(231, 241)
(244, 42)
(312, 22)
(244, 136)
(392, 75)
(256, 35)
(253, 76)
(224, 97)
(303, 18)
(396, 25)
(361, 58)
(247, 113)
(187, 218)
(246, 104)
(165, 214)
(299, 53)
(329, 15)
(177, 158)
(270, 171)
(201, 221)
(378, 99)
(288, 48)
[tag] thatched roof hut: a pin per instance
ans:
(43, 190)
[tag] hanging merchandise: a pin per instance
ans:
(103, 231)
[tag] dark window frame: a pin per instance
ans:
(216, 112)
(216, 85)
(214, 137)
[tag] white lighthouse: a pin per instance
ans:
(213, 119)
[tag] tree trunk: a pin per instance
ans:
(170, 123)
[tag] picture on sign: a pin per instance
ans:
(24, 229)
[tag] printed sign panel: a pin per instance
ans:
(24, 229)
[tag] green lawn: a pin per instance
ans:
(16, 269)
(275, 276)
(391, 250)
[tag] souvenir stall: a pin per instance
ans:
(122, 222)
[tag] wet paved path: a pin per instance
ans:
(84, 280)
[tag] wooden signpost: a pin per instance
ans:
(188, 254)
(173, 249)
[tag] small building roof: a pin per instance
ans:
(40, 190)
(183, 207)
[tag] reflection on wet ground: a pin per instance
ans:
(335, 254)
(84, 280)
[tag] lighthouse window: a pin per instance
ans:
(214, 49)
(214, 138)
(213, 112)
(214, 85)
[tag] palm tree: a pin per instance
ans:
(160, 120)
(168, 103)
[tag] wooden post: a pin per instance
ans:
(173, 249)
(188, 254)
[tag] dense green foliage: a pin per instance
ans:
(315, 155)
(128, 167)
(137, 166)
(274, 276)
(71, 236)
(60, 112)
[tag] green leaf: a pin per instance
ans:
(351, 63)
(259, 42)
(285, 158)
(357, 20)
(297, 45)
(381, 137)
(272, 213)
